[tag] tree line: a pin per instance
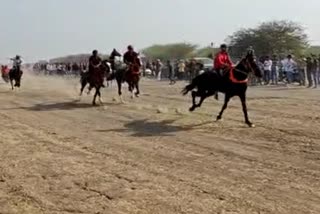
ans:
(269, 38)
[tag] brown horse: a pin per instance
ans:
(95, 80)
(129, 74)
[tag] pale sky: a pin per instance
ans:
(41, 29)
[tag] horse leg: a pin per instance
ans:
(137, 88)
(89, 90)
(245, 111)
(216, 95)
(131, 89)
(83, 85)
(224, 107)
(95, 96)
(119, 83)
(11, 82)
(194, 94)
(100, 98)
(204, 96)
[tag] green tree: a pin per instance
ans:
(313, 50)
(206, 52)
(276, 37)
(170, 51)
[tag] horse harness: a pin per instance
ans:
(233, 69)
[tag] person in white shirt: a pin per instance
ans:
(267, 66)
(158, 69)
(17, 62)
(289, 66)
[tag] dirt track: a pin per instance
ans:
(59, 156)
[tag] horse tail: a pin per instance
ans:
(188, 88)
(195, 83)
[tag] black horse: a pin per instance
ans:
(129, 74)
(15, 75)
(95, 79)
(106, 68)
(232, 83)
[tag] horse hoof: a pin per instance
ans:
(137, 95)
(191, 109)
(251, 125)
(219, 118)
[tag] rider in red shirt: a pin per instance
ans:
(222, 60)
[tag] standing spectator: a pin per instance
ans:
(171, 73)
(192, 69)
(301, 65)
(289, 66)
(267, 66)
(314, 70)
(261, 67)
(158, 69)
(274, 70)
(181, 69)
(310, 74)
(318, 73)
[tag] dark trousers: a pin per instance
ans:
(312, 76)
(267, 76)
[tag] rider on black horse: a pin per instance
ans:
(94, 64)
(15, 73)
(17, 62)
(222, 60)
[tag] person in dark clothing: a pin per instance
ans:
(310, 72)
(94, 64)
(130, 57)
(314, 71)
(171, 73)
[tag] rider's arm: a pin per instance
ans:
(229, 62)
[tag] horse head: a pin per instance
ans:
(249, 64)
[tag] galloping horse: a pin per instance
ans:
(15, 75)
(106, 67)
(95, 79)
(129, 74)
(232, 83)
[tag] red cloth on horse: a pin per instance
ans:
(222, 59)
(4, 70)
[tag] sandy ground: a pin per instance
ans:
(151, 156)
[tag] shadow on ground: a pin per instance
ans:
(145, 128)
(68, 105)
